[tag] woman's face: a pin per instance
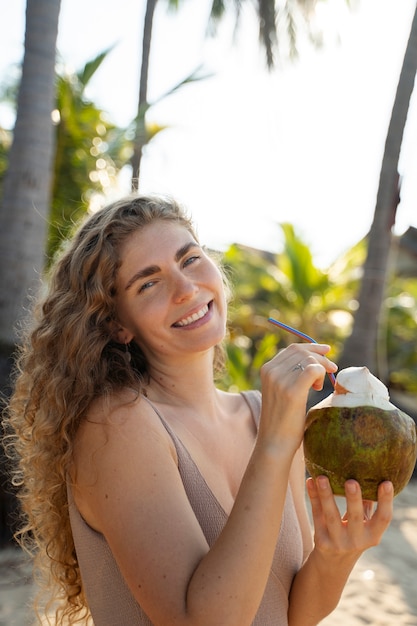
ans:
(170, 294)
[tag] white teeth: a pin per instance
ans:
(194, 317)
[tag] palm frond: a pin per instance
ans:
(267, 28)
(92, 66)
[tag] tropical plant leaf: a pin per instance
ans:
(92, 66)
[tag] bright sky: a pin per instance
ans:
(247, 149)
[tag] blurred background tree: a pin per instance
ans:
(27, 180)
(26, 192)
(270, 35)
(361, 347)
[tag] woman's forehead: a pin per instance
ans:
(154, 244)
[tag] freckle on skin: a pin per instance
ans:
(106, 495)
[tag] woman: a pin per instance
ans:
(151, 496)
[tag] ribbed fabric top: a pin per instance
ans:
(110, 600)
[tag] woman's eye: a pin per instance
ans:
(147, 285)
(191, 260)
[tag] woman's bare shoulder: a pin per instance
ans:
(118, 435)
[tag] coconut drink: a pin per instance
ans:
(356, 432)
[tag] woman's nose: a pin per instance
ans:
(184, 288)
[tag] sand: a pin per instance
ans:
(382, 589)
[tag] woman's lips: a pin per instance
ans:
(186, 321)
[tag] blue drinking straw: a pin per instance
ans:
(298, 333)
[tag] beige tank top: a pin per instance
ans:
(110, 600)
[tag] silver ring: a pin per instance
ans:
(298, 367)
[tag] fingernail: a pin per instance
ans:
(323, 483)
(388, 487)
(351, 487)
(311, 484)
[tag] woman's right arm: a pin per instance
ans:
(131, 491)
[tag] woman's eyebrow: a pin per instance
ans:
(143, 273)
(154, 269)
(184, 249)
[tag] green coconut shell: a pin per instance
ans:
(365, 443)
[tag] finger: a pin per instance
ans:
(326, 515)
(368, 509)
(312, 370)
(316, 371)
(296, 357)
(314, 499)
(295, 352)
(383, 515)
(357, 510)
(320, 530)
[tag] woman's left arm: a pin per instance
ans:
(338, 544)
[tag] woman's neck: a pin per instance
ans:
(189, 382)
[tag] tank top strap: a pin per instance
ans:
(251, 396)
(179, 446)
(254, 399)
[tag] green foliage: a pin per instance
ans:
(8, 96)
(90, 152)
(5, 140)
(289, 287)
(399, 338)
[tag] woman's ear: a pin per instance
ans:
(119, 333)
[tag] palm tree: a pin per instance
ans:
(27, 184)
(26, 191)
(267, 17)
(140, 131)
(361, 346)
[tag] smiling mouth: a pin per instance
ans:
(192, 318)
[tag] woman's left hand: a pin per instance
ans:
(339, 542)
(358, 529)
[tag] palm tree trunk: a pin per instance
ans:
(27, 184)
(26, 193)
(140, 130)
(361, 347)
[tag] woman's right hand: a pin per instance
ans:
(286, 381)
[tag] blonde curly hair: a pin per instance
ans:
(66, 359)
